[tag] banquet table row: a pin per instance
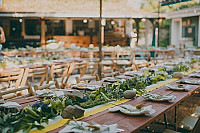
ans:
(130, 123)
(89, 52)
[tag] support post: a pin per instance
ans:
(101, 41)
(199, 33)
(23, 28)
(158, 23)
(137, 21)
(147, 27)
(42, 32)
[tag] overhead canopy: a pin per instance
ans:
(71, 8)
(170, 2)
(77, 15)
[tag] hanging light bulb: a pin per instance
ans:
(84, 20)
(20, 20)
(112, 22)
(103, 22)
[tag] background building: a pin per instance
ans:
(32, 22)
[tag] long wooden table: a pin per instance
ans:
(130, 123)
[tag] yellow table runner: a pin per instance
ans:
(51, 127)
(102, 108)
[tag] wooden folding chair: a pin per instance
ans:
(124, 58)
(82, 67)
(57, 70)
(108, 62)
(39, 71)
(17, 92)
(9, 77)
(73, 66)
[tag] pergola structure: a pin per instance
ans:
(70, 9)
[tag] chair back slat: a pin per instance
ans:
(41, 72)
(57, 69)
(10, 76)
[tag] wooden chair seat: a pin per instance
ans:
(138, 62)
(87, 79)
(52, 85)
(196, 112)
(188, 124)
(123, 62)
(107, 62)
(112, 74)
(17, 92)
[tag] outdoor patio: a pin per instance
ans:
(108, 66)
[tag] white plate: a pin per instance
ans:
(195, 75)
(198, 71)
(71, 127)
(10, 105)
(188, 81)
(178, 87)
(132, 110)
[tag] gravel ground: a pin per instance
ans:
(186, 108)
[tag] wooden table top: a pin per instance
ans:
(134, 124)
(130, 123)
